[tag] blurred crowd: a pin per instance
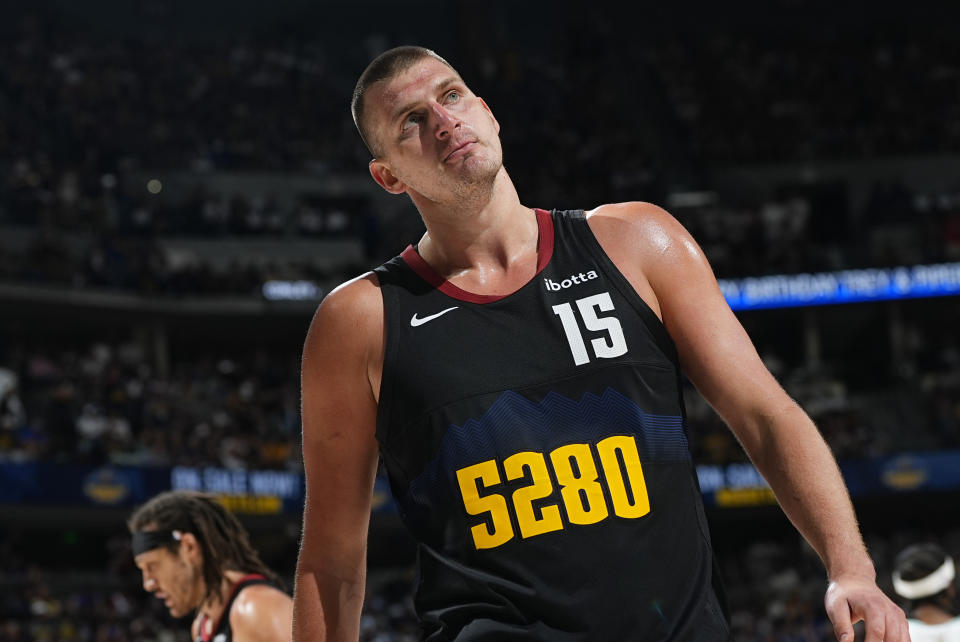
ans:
(820, 95)
(896, 226)
(107, 403)
(78, 107)
(40, 609)
(774, 587)
(142, 266)
(81, 105)
(79, 117)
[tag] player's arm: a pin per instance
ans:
(781, 440)
(261, 613)
(340, 460)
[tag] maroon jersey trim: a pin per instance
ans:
(428, 274)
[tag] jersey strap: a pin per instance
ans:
(222, 624)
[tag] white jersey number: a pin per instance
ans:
(613, 345)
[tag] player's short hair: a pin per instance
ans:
(923, 572)
(223, 540)
(384, 67)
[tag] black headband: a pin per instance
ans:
(144, 541)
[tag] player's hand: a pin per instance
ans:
(850, 599)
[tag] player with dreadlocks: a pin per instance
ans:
(196, 556)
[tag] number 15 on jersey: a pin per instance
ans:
(612, 345)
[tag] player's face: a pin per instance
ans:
(172, 579)
(437, 138)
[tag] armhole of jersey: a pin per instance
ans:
(250, 579)
(649, 317)
(390, 296)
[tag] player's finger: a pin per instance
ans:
(875, 626)
(897, 630)
(839, 613)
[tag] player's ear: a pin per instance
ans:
(385, 177)
(190, 547)
(489, 111)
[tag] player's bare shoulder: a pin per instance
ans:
(637, 226)
(346, 333)
(352, 313)
(642, 240)
(355, 301)
(638, 235)
(261, 612)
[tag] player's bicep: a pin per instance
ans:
(715, 351)
(339, 444)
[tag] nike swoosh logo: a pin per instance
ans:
(414, 321)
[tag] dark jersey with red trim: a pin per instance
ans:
(536, 447)
(221, 631)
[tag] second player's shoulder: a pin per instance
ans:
(256, 599)
(261, 612)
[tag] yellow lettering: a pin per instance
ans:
(627, 447)
(582, 495)
(252, 504)
(486, 472)
(575, 469)
(523, 498)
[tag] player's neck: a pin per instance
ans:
(930, 614)
(491, 234)
(213, 607)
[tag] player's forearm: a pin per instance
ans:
(325, 606)
(794, 459)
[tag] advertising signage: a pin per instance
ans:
(848, 286)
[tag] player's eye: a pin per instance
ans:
(412, 120)
(453, 96)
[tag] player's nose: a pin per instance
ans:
(446, 122)
(149, 584)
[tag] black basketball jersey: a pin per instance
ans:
(221, 631)
(536, 447)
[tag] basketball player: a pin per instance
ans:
(519, 373)
(925, 576)
(196, 557)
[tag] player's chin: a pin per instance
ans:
(479, 168)
(177, 611)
